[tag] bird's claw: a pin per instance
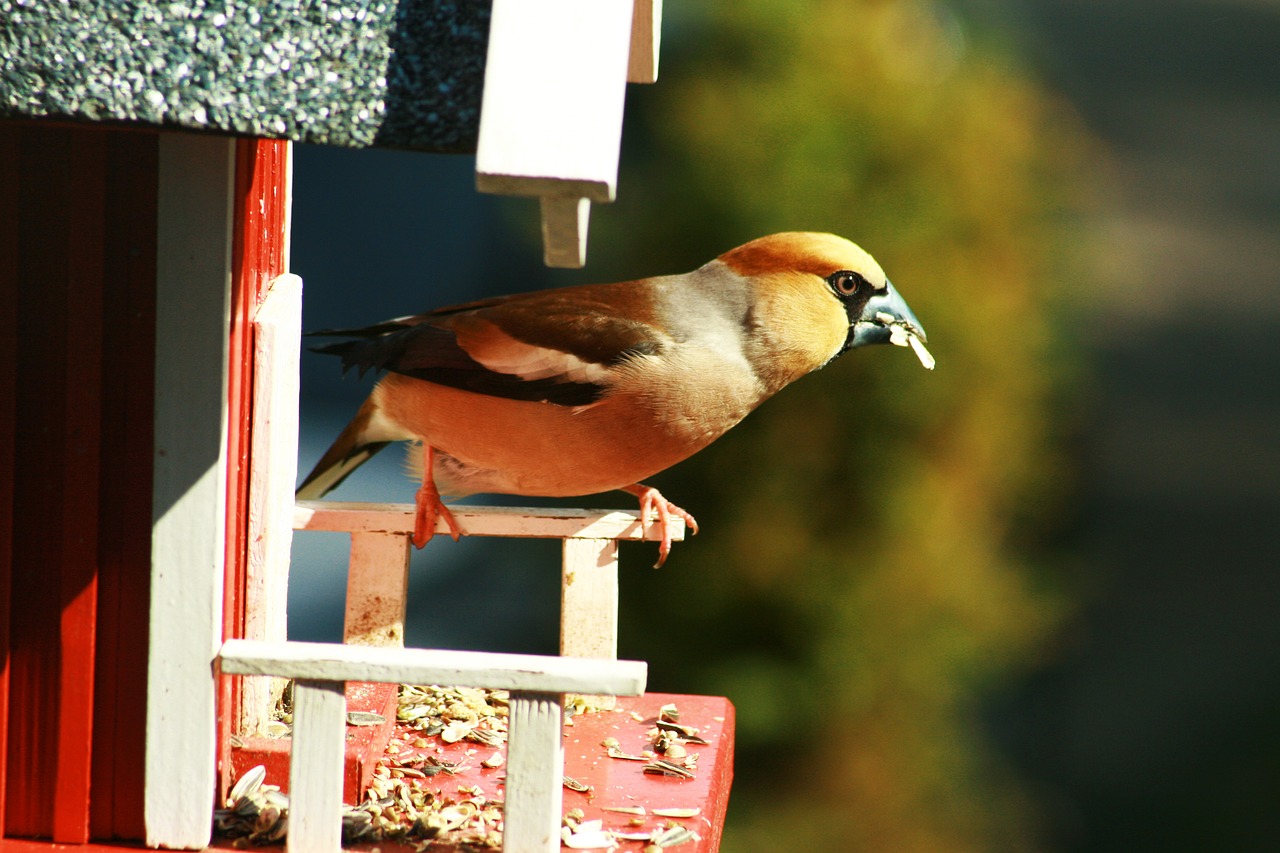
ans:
(430, 509)
(652, 502)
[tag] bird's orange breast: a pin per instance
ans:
(643, 425)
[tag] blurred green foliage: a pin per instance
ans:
(869, 566)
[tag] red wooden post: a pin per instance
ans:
(259, 255)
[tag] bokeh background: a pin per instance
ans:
(1026, 602)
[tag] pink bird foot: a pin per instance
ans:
(429, 506)
(651, 500)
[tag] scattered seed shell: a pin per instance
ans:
(691, 812)
(247, 785)
(636, 810)
(674, 836)
(614, 752)
(574, 785)
(662, 767)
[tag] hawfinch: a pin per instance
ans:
(579, 390)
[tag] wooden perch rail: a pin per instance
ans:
(378, 576)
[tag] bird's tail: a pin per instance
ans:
(355, 445)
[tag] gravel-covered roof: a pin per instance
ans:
(391, 73)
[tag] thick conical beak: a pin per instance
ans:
(887, 319)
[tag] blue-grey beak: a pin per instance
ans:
(884, 310)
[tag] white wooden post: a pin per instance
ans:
(188, 542)
(551, 115)
(589, 603)
(646, 38)
(277, 341)
(377, 589)
(316, 766)
(535, 774)
(564, 231)
(589, 599)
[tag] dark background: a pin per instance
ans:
(1150, 723)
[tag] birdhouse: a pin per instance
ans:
(149, 337)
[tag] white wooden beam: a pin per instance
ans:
(316, 767)
(515, 522)
(535, 774)
(530, 673)
(188, 542)
(646, 40)
(277, 339)
(377, 588)
(551, 115)
(554, 85)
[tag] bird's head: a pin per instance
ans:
(825, 295)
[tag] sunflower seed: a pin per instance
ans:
(247, 785)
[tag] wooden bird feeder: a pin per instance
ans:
(149, 337)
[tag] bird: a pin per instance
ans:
(592, 388)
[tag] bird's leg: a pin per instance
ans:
(652, 500)
(429, 505)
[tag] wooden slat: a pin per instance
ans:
(516, 522)
(646, 39)
(276, 342)
(35, 668)
(535, 772)
(377, 588)
(189, 503)
(82, 386)
(333, 662)
(589, 599)
(128, 366)
(315, 773)
(564, 231)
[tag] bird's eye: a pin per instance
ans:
(846, 282)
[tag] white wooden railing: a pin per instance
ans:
(378, 576)
(535, 755)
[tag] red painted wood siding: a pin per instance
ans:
(77, 281)
(77, 316)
